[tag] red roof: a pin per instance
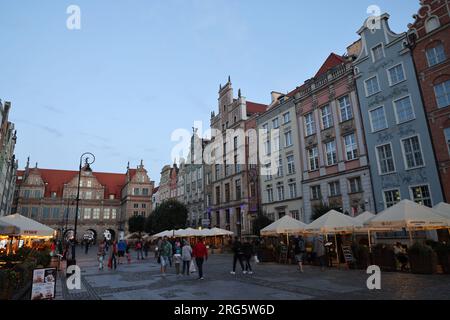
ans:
(253, 107)
(332, 61)
(55, 180)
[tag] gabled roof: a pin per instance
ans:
(332, 61)
(253, 107)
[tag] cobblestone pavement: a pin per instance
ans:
(141, 280)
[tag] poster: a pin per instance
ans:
(44, 284)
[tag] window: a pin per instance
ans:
(385, 159)
(313, 156)
(136, 191)
(106, 213)
(87, 213)
(396, 74)
(447, 138)
(335, 188)
(227, 169)
(280, 167)
(316, 193)
(145, 191)
(288, 138)
(294, 214)
(412, 152)
(34, 212)
(96, 214)
(351, 148)
(290, 164)
(355, 185)
(345, 108)
(136, 205)
(89, 183)
(217, 194)
(292, 190)
(238, 189)
(403, 109)
(53, 195)
(270, 195)
(46, 213)
(267, 146)
(442, 93)
(88, 195)
(421, 195)
(24, 211)
(327, 117)
(26, 194)
(432, 24)
(286, 117)
(330, 150)
(227, 192)
(275, 123)
(217, 171)
(143, 205)
(280, 190)
(372, 86)
(37, 194)
(436, 55)
(135, 213)
(113, 213)
(309, 124)
(377, 53)
(378, 119)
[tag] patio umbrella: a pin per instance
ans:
(285, 225)
(221, 232)
(27, 226)
(8, 229)
(364, 217)
(443, 209)
(407, 214)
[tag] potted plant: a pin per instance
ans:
(383, 256)
(422, 258)
(361, 254)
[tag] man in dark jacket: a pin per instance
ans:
(248, 252)
(237, 255)
(299, 251)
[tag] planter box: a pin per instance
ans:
(423, 264)
(444, 261)
(385, 259)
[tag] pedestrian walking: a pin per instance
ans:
(165, 253)
(86, 246)
(121, 247)
(146, 248)
(112, 263)
(237, 255)
(158, 248)
(186, 256)
(299, 251)
(139, 250)
(101, 255)
(127, 253)
(248, 252)
(200, 253)
(177, 257)
(319, 249)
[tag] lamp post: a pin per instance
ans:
(89, 159)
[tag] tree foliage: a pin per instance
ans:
(170, 214)
(260, 222)
(136, 224)
(321, 209)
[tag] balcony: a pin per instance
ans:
(347, 126)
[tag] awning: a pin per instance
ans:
(27, 226)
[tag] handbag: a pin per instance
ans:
(159, 258)
(192, 267)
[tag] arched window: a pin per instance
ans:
(432, 24)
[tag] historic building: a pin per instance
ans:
(281, 185)
(168, 183)
(191, 183)
(8, 162)
(402, 162)
(333, 155)
(106, 202)
(233, 156)
(429, 38)
(155, 198)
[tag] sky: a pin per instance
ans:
(138, 70)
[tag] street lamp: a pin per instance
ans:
(89, 159)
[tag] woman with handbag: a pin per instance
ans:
(186, 256)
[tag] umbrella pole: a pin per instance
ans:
(370, 242)
(410, 237)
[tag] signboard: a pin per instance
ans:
(205, 222)
(44, 284)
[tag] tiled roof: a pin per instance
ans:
(332, 61)
(253, 107)
(55, 180)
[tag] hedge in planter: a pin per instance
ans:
(422, 258)
(443, 253)
(384, 257)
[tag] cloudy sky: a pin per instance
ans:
(137, 70)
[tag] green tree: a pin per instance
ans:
(260, 222)
(170, 214)
(321, 209)
(136, 224)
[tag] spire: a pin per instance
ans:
(36, 165)
(141, 165)
(28, 163)
(239, 92)
(229, 79)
